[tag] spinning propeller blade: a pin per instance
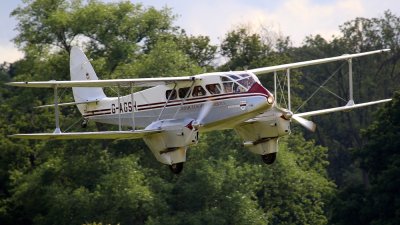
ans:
(196, 124)
(309, 125)
(203, 113)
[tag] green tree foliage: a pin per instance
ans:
(82, 185)
(120, 182)
(374, 77)
(115, 34)
(224, 184)
(376, 203)
(243, 49)
(199, 49)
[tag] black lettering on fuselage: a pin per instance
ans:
(124, 107)
(130, 106)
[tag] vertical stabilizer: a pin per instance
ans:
(81, 69)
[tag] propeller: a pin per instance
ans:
(194, 125)
(202, 114)
(287, 115)
(309, 125)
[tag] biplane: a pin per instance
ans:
(169, 112)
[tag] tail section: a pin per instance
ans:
(81, 69)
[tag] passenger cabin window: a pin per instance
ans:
(214, 89)
(228, 86)
(198, 91)
(183, 92)
(171, 93)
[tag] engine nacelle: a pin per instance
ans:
(263, 147)
(170, 145)
(261, 133)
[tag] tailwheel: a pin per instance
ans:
(269, 158)
(176, 168)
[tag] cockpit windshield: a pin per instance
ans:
(237, 83)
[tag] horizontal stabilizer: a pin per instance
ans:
(66, 104)
(87, 135)
(338, 109)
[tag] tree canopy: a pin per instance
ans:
(334, 176)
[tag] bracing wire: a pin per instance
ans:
(73, 125)
(326, 89)
(321, 86)
(282, 91)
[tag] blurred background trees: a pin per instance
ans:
(334, 176)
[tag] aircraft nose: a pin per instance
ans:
(270, 99)
(259, 89)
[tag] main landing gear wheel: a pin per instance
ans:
(176, 168)
(269, 158)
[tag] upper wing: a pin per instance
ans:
(138, 82)
(88, 135)
(270, 69)
(338, 109)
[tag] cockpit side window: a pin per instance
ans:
(246, 81)
(227, 82)
(228, 87)
(237, 82)
(171, 92)
(225, 79)
(214, 88)
(234, 77)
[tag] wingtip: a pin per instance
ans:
(16, 84)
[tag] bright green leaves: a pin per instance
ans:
(71, 190)
(243, 49)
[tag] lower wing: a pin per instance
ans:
(342, 108)
(87, 135)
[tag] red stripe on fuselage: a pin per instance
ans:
(255, 90)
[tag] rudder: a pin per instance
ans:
(81, 69)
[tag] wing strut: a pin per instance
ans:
(133, 107)
(57, 130)
(186, 96)
(166, 103)
(119, 109)
(351, 100)
(288, 87)
(275, 85)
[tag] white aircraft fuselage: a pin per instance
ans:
(235, 97)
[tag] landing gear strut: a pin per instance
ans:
(84, 123)
(269, 158)
(176, 168)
